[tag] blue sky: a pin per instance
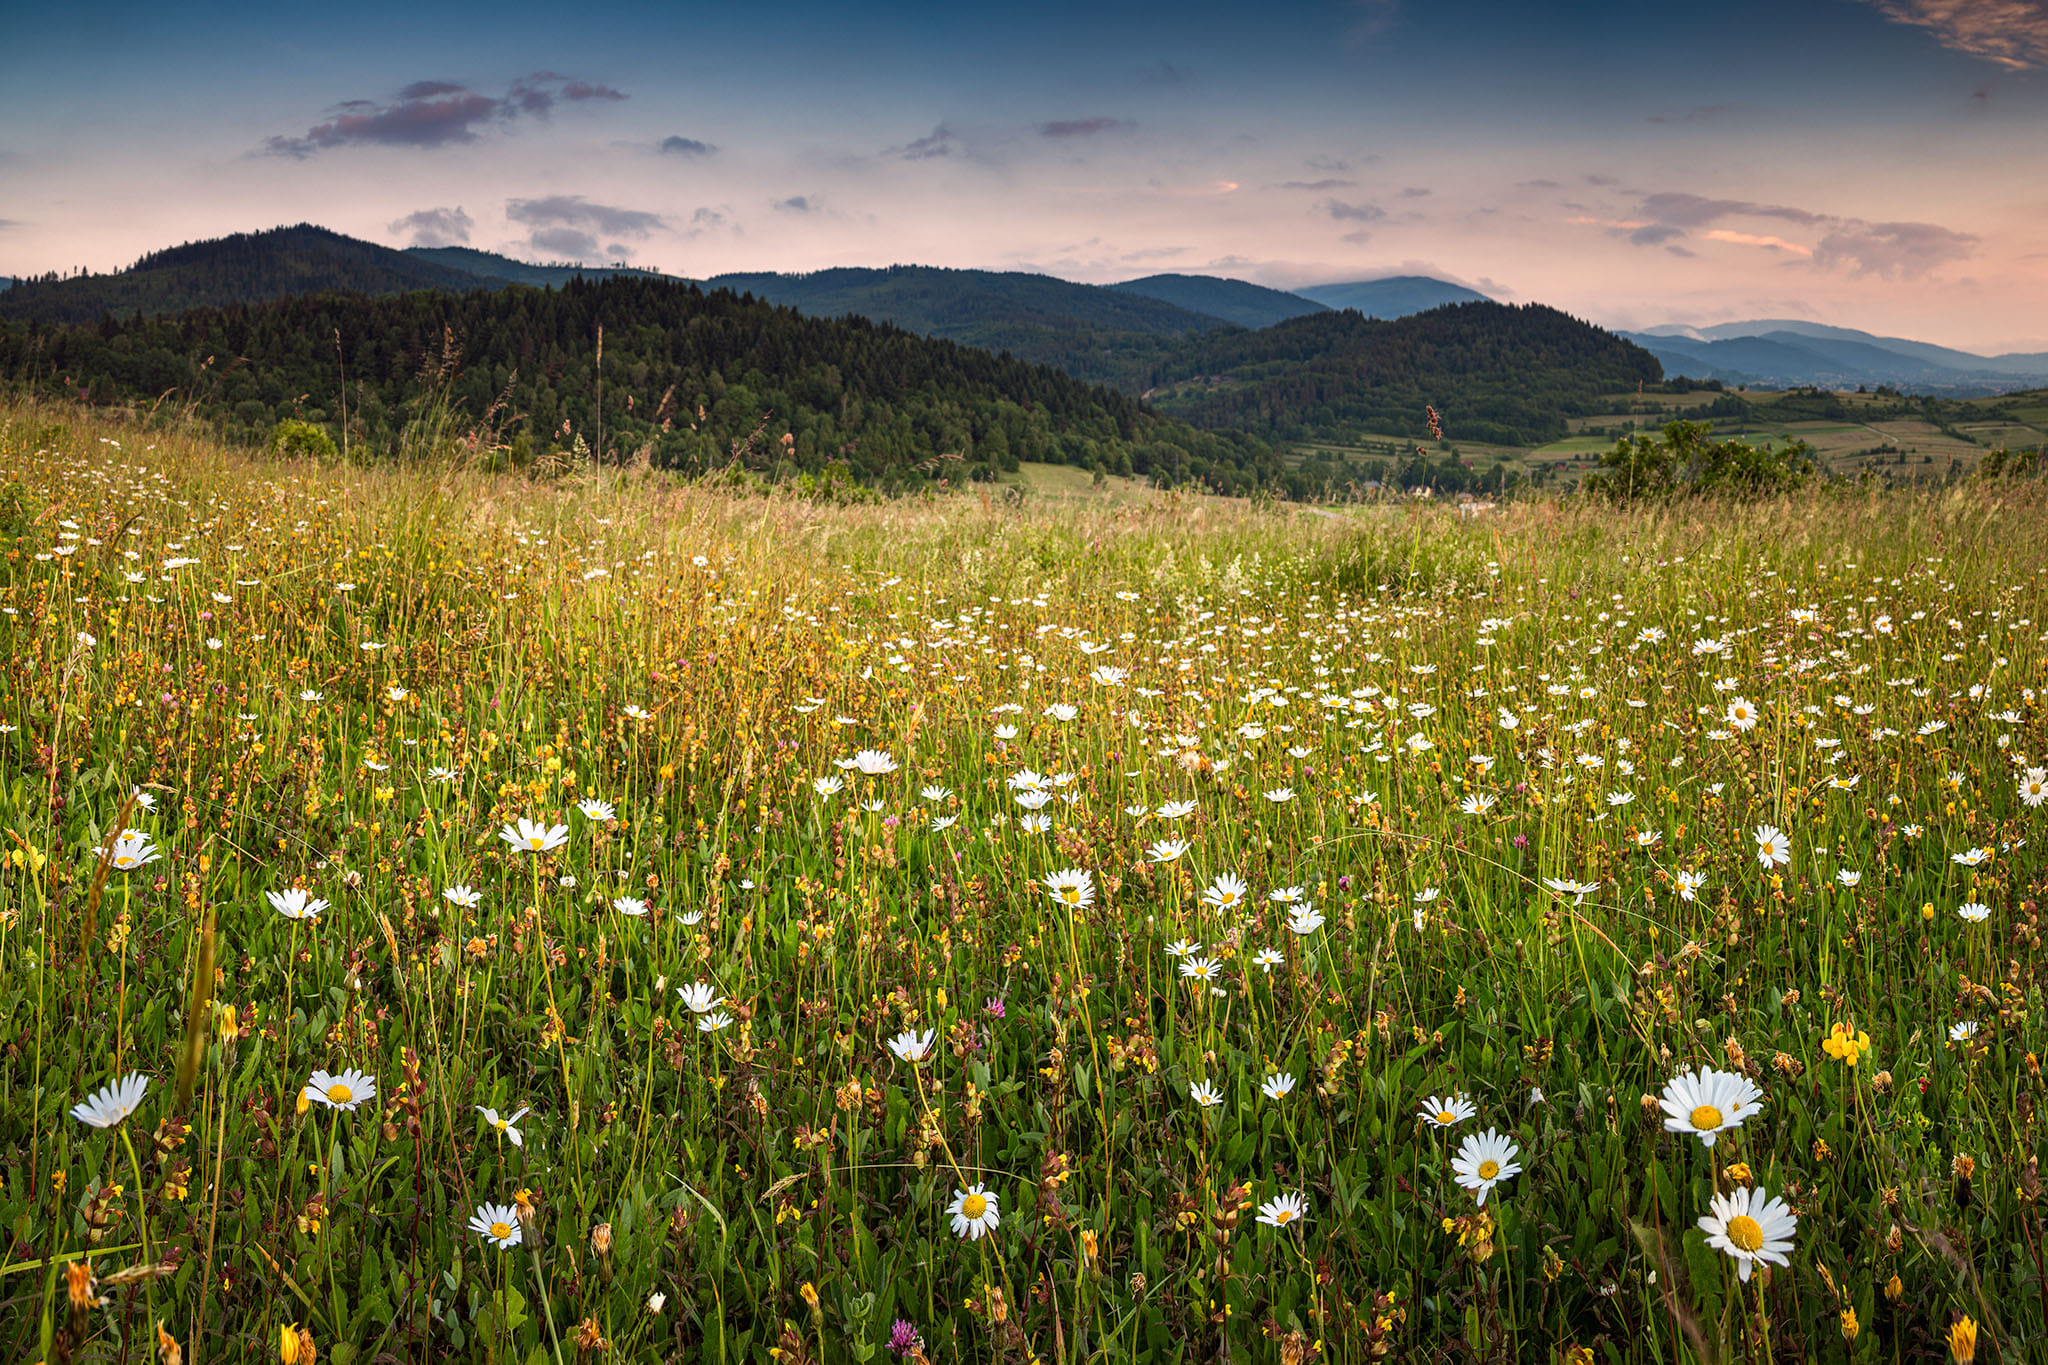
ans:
(1865, 162)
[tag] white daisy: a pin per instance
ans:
(1708, 1102)
(1484, 1160)
(1750, 1229)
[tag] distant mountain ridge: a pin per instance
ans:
(1235, 301)
(1787, 352)
(1397, 296)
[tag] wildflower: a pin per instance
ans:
(1844, 1045)
(1305, 920)
(1963, 1032)
(1708, 1102)
(656, 1302)
(505, 1126)
(1176, 810)
(1268, 958)
(1205, 1094)
(594, 809)
(1200, 968)
(1773, 849)
(630, 905)
(828, 786)
(1280, 795)
(1484, 1160)
(1283, 1211)
(1578, 891)
(529, 837)
(911, 1046)
(873, 763)
(1750, 1228)
(1182, 947)
(715, 1022)
(1848, 878)
(295, 904)
(903, 1338)
(131, 850)
(464, 896)
(1971, 857)
(1478, 803)
(346, 1091)
(1226, 892)
(1166, 850)
(1277, 1086)
(1072, 887)
(1973, 911)
(1962, 1340)
(499, 1225)
(974, 1212)
(114, 1102)
(1446, 1110)
(701, 997)
(2034, 786)
(1742, 714)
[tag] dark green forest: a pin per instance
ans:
(1502, 373)
(686, 378)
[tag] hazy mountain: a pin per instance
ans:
(1246, 304)
(248, 267)
(491, 266)
(1782, 351)
(1394, 297)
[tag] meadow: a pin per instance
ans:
(607, 918)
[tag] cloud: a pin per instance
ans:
(686, 146)
(797, 203)
(1692, 210)
(1352, 213)
(939, 142)
(1765, 240)
(436, 113)
(1083, 127)
(1654, 234)
(2012, 33)
(565, 242)
(435, 227)
(573, 210)
(1416, 192)
(1892, 250)
(1318, 186)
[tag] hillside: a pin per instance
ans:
(687, 374)
(1785, 352)
(1496, 372)
(1394, 297)
(490, 265)
(1235, 301)
(249, 267)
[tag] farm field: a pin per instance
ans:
(452, 916)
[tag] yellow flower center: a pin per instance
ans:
(501, 1124)
(1488, 1169)
(973, 1206)
(1706, 1118)
(1745, 1233)
(501, 1230)
(1445, 1116)
(339, 1093)
(533, 841)
(124, 860)
(1072, 895)
(1282, 1217)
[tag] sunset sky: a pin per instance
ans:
(1870, 163)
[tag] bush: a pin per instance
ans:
(293, 437)
(1686, 461)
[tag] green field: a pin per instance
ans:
(1089, 926)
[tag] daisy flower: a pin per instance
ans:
(1205, 1094)
(974, 1212)
(1166, 850)
(345, 1091)
(1973, 911)
(1278, 1085)
(131, 850)
(463, 896)
(499, 1225)
(715, 1022)
(1283, 1211)
(113, 1102)
(295, 904)
(1689, 883)
(1447, 1110)
(594, 809)
(701, 997)
(1708, 1102)
(1073, 888)
(911, 1046)
(1268, 958)
(1226, 892)
(630, 905)
(1305, 920)
(505, 1126)
(1773, 849)
(529, 837)
(1483, 1161)
(1750, 1228)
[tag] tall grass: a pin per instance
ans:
(273, 713)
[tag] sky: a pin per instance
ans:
(1867, 163)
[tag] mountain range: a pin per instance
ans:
(1782, 352)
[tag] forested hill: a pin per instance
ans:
(685, 375)
(1498, 372)
(249, 267)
